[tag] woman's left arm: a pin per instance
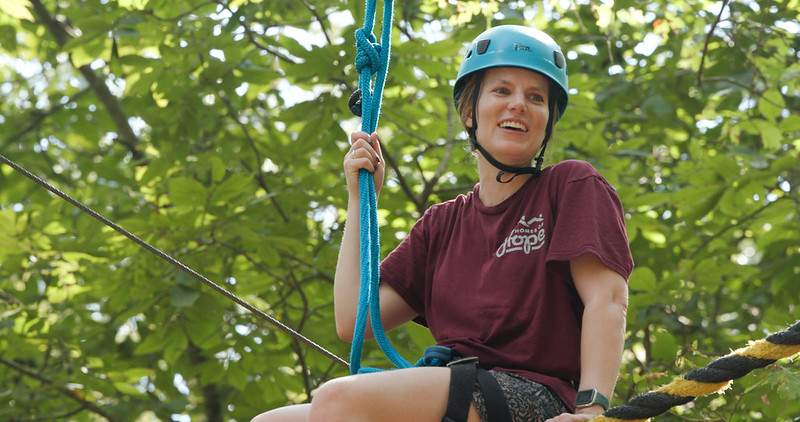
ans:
(604, 293)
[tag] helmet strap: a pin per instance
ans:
(536, 170)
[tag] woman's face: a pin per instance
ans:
(512, 114)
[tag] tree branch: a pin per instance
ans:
(36, 117)
(752, 90)
(258, 173)
(62, 390)
(446, 157)
(709, 35)
(212, 402)
(252, 38)
(402, 181)
(319, 19)
(125, 137)
(722, 231)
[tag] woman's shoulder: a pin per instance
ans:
(450, 206)
(571, 171)
(574, 167)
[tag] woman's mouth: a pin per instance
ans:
(512, 125)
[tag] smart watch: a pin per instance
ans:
(587, 398)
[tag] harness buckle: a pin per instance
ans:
(463, 361)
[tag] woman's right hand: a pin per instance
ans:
(365, 153)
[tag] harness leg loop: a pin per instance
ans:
(463, 375)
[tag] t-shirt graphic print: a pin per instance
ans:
(528, 236)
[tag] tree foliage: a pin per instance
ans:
(215, 129)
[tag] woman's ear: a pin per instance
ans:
(468, 120)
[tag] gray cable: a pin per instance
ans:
(174, 262)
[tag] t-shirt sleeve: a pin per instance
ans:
(405, 268)
(589, 219)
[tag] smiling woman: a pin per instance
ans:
(239, 162)
(512, 110)
(538, 258)
(521, 49)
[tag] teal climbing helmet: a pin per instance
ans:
(518, 46)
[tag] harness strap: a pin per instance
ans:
(462, 381)
(496, 403)
(463, 375)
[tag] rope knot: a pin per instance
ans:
(367, 52)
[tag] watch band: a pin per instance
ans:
(587, 398)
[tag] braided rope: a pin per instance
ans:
(716, 376)
(371, 59)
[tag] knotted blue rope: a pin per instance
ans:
(371, 59)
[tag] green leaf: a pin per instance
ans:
(152, 343)
(771, 104)
(786, 382)
(183, 296)
(186, 192)
(771, 135)
(642, 279)
(701, 202)
(175, 346)
(17, 9)
(665, 346)
(232, 187)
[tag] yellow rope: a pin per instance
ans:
(757, 354)
(762, 349)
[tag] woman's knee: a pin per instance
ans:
(336, 400)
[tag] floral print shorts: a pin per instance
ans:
(528, 401)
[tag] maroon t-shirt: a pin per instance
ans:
(494, 282)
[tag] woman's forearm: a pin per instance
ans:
(346, 282)
(602, 343)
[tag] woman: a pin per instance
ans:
(527, 272)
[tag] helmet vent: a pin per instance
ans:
(559, 59)
(482, 46)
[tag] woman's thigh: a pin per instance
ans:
(413, 394)
(295, 413)
(528, 401)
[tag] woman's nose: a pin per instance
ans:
(517, 102)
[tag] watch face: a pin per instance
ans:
(584, 397)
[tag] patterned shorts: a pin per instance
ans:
(528, 401)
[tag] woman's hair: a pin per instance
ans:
(467, 99)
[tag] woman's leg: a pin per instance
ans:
(414, 394)
(296, 413)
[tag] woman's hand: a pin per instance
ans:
(582, 415)
(364, 153)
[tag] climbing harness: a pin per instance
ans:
(180, 265)
(464, 373)
(716, 376)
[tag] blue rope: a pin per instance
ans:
(371, 59)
